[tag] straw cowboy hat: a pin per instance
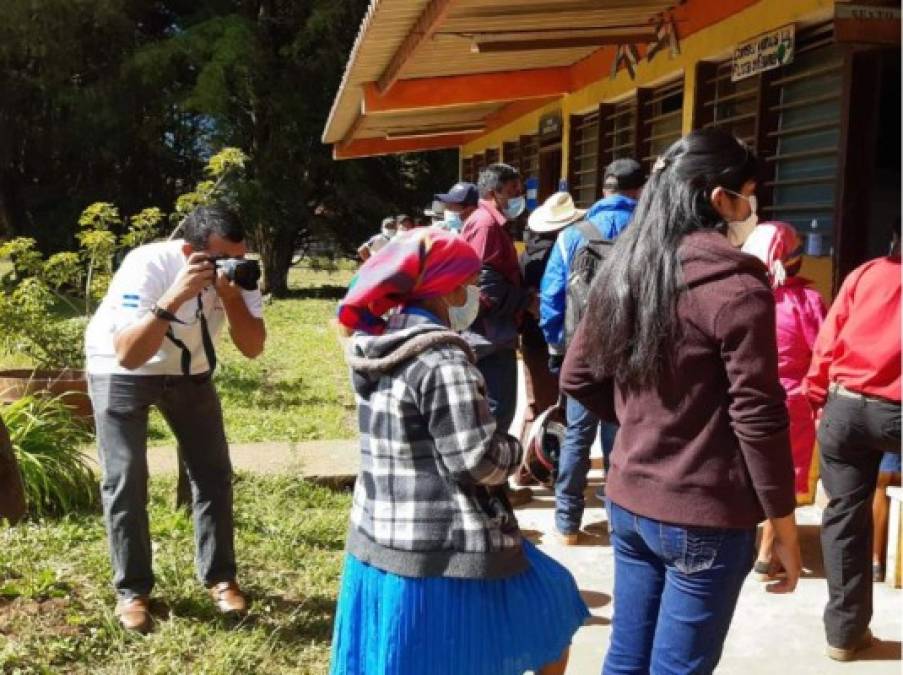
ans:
(557, 212)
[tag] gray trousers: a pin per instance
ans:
(191, 407)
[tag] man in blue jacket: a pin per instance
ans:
(623, 181)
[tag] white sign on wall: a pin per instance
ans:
(764, 52)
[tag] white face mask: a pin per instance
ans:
(516, 206)
(739, 230)
(461, 316)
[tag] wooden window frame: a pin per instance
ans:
(511, 154)
(529, 155)
(579, 123)
(705, 104)
(646, 98)
(467, 169)
(609, 112)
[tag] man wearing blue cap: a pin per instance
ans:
(459, 202)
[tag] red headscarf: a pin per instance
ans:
(425, 263)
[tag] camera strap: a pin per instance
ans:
(206, 340)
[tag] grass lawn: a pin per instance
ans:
(56, 602)
(298, 389)
(56, 599)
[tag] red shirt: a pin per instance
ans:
(485, 232)
(858, 346)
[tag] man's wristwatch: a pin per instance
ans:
(161, 313)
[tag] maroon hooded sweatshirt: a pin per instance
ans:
(708, 446)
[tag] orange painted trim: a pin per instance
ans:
(689, 18)
(514, 111)
(443, 92)
(370, 147)
(523, 90)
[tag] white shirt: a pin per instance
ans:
(145, 275)
(377, 242)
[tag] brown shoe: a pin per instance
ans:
(519, 496)
(134, 613)
(849, 653)
(228, 598)
(570, 539)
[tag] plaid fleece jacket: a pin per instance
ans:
(429, 499)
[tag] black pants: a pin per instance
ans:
(853, 434)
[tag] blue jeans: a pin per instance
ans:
(675, 592)
(574, 463)
(499, 369)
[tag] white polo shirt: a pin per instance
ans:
(145, 275)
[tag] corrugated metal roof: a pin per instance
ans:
(448, 51)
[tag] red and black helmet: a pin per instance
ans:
(543, 447)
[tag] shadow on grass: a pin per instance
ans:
(324, 292)
(288, 620)
(250, 387)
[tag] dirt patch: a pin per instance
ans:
(24, 615)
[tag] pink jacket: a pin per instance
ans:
(800, 312)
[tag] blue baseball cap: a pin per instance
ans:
(464, 194)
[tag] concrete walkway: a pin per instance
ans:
(769, 634)
(326, 462)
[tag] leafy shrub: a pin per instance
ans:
(48, 442)
(34, 291)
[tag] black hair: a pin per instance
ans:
(494, 177)
(631, 319)
(212, 219)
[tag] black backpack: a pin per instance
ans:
(584, 268)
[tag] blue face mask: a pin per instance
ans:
(516, 206)
(453, 221)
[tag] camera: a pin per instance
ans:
(244, 273)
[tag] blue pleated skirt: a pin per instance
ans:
(392, 625)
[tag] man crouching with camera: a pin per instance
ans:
(151, 344)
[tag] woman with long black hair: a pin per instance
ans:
(678, 347)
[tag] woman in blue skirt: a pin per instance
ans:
(437, 579)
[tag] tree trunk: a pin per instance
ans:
(276, 258)
(12, 492)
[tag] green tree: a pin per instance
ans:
(76, 125)
(123, 101)
(266, 74)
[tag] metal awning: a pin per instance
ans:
(434, 73)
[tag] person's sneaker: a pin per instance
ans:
(849, 653)
(228, 598)
(519, 496)
(134, 613)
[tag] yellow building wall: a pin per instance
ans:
(716, 41)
